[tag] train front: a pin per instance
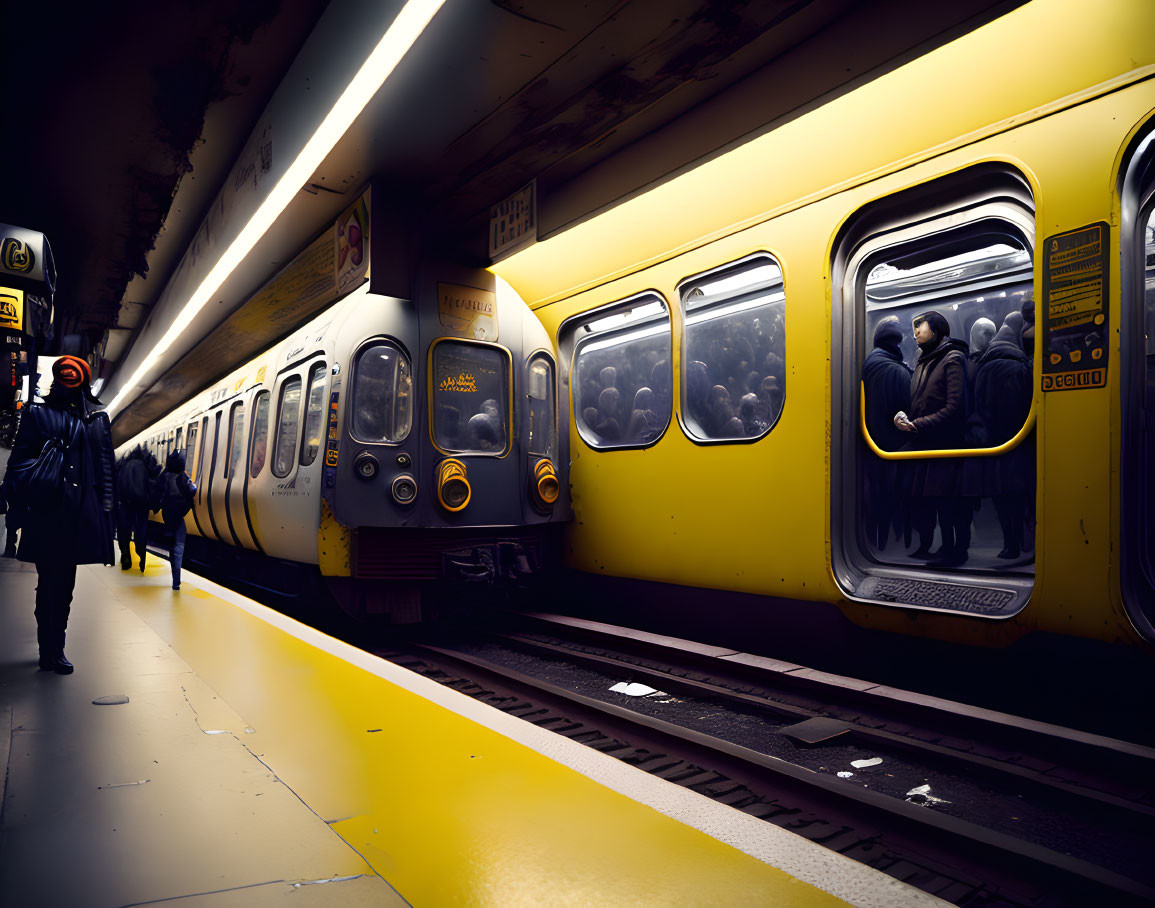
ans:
(441, 459)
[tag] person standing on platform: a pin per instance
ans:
(60, 475)
(174, 496)
(134, 478)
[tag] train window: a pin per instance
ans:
(179, 440)
(542, 402)
(204, 443)
(382, 402)
(236, 438)
(621, 376)
(288, 419)
(948, 343)
(733, 351)
(470, 397)
(314, 415)
(260, 435)
(192, 449)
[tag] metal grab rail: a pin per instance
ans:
(1008, 445)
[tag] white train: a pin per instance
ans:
(387, 442)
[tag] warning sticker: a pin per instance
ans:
(1074, 309)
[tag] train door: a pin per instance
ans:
(1137, 238)
(934, 469)
(192, 524)
(234, 476)
(211, 491)
(255, 462)
(201, 503)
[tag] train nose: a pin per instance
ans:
(545, 482)
(453, 489)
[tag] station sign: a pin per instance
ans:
(513, 222)
(26, 254)
(11, 308)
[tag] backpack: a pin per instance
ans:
(173, 504)
(134, 483)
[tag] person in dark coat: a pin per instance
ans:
(135, 475)
(174, 494)
(1002, 398)
(886, 380)
(982, 333)
(74, 526)
(937, 420)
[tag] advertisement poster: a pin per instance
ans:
(1074, 311)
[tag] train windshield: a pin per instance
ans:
(382, 403)
(622, 377)
(470, 398)
(542, 415)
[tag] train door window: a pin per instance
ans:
(1148, 441)
(288, 420)
(936, 459)
(470, 397)
(733, 351)
(314, 415)
(382, 400)
(203, 445)
(542, 407)
(236, 446)
(260, 442)
(191, 436)
(621, 375)
(179, 440)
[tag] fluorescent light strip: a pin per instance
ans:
(398, 38)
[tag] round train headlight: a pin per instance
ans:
(365, 466)
(453, 489)
(545, 482)
(404, 489)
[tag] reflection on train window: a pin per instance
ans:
(470, 398)
(236, 445)
(622, 378)
(382, 402)
(288, 418)
(192, 451)
(260, 434)
(949, 342)
(734, 351)
(314, 415)
(542, 415)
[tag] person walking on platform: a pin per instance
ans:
(135, 475)
(173, 497)
(11, 521)
(60, 477)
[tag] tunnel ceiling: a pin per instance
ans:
(125, 118)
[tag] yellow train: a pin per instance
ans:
(713, 332)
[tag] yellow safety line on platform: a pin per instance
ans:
(451, 811)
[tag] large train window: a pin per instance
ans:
(288, 419)
(236, 443)
(314, 415)
(934, 460)
(382, 399)
(733, 351)
(470, 397)
(542, 413)
(621, 376)
(260, 442)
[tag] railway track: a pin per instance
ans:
(977, 807)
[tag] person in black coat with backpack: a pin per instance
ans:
(173, 497)
(886, 380)
(60, 477)
(135, 475)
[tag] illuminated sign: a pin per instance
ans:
(11, 308)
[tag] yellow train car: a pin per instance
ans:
(714, 332)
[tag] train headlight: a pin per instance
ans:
(365, 466)
(453, 489)
(545, 482)
(404, 489)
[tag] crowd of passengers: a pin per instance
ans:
(735, 380)
(958, 395)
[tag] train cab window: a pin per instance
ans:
(236, 446)
(470, 397)
(191, 458)
(288, 420)
(948, 344)
(382, 401)
(733, 351)
(314, 415)
(542, 407)
(622, 378)
(260, 435)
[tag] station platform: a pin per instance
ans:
(209, 751)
